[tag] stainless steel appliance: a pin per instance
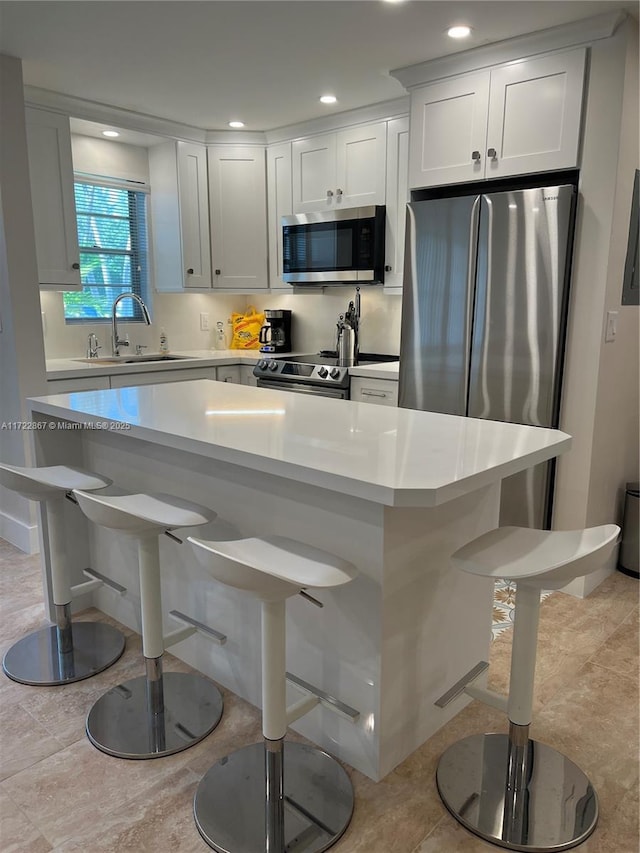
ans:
(334, 247)
(319, 374)
(275, 335)
(484, 316)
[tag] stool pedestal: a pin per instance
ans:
(64, 652)
(274, 796)
(158, 713)
(555, 808)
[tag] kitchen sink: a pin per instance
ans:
(131, 359)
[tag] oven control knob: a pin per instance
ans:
(335, 373)
(273, 365)
(322, 372)
(262, 364)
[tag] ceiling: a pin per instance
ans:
(265, 63)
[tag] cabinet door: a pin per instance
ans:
(279, 204)
(397, 198)
(534, 114)
(361, 165)
(448, 131)
(157, 377)
(314, 173)
(194, 214)
(238, 207)
(52, 195)
(228, 373)
(82, 383)
(246, 375)
(383, 392)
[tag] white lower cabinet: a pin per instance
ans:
(228, 373)
(246, 375)
(68, 386)
(383, 392)
(158, 376)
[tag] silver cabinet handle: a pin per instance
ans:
(190, 271)
(329, 193)
(475, 155)
(218, 272)
(338, 191)
(75, 266)
(366, 393)
(492, 153)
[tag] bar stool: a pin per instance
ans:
(64, 652)
(273, 796)
(159, 713)
(508, 789)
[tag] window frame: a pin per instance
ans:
(140, 253)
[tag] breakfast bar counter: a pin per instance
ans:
(394, 491)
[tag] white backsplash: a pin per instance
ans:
(314, 321)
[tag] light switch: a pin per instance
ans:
(204, 322)
(611, 329)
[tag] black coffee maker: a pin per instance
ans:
(275, 335)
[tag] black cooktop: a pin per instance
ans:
(330, 358)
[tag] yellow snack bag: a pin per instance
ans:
(246, 329)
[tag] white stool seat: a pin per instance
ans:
(142, 513)
(272, 567)
(39, 483)
(546, 559)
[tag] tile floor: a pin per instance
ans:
(59, 793)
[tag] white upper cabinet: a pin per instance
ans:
(517, 118)
(238, 212)
(52, 195)
(535, 109)
(279, 204)
(448, 130)
(194, 214)
(397, 198)
(180, 216)
(342, 169)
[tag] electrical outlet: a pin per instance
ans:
(611, 329)
(204, 322)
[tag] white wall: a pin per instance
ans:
(22, 372)
(600, 395)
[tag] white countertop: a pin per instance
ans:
(73, 368)
(384, 370)
(396, 457)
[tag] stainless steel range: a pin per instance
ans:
(318, 373)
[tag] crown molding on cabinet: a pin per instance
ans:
(235, 137)
(107, 114)
(542, 41)
(336, 121)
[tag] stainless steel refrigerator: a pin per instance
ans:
(484, 316)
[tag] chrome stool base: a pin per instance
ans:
(555, 810)
(38, 658)
(122, 722)
(229, 805)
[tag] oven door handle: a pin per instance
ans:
(300, 388)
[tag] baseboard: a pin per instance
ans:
(24, 536)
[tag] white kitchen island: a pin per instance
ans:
(392, 490)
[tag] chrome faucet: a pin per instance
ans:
(92, 346)
(115, 340)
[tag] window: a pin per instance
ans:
(112, 234)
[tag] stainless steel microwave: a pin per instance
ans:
(334, 247)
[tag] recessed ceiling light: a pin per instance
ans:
(328, 99)
(110, 133)
(459, 32)
(236, 124)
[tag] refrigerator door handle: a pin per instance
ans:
(472, 263)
